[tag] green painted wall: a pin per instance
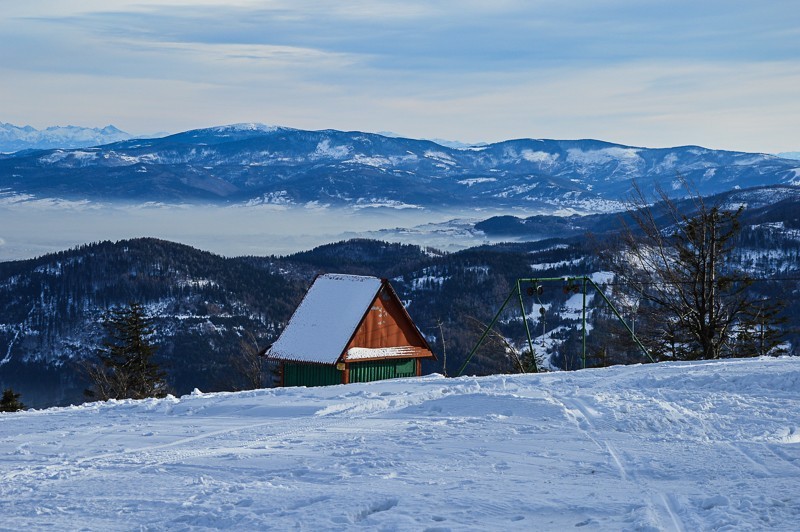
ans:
(296, 374)
(377, 370)
(310, 374)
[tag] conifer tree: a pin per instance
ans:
(10, 401)
(124, 369)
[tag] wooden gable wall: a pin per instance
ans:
(386, 324)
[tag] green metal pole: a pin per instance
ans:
(619, 317)
(527, 329)
(584, 322)
(486, 332)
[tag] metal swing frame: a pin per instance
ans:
(585, 281)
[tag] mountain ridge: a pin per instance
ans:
(16, 138)
(254, 164)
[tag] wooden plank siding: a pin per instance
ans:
(376, 370)
(386, 324)
(302, 374)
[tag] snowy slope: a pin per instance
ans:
(682, 446)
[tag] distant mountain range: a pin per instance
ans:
(15, 138)
(777, 205)
(256, 164)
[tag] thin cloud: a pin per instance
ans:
(460, 69)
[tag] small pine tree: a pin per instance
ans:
(10, 401)
(125, 369)
(760, 332)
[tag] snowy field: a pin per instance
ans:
(680, 446)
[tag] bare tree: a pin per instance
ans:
(522, 361)
(248, 364)
(440, 324)
(679, 262)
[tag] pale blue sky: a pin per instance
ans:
(719, 73)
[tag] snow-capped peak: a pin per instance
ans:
(15, 138)
(246, 126)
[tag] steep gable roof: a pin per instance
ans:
(326, 319)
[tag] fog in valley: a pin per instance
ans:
(32, 228)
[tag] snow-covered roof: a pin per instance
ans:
(326, 319)
(364, 353)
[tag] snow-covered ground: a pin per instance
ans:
(677, 446)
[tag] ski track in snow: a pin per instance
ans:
(680, 446)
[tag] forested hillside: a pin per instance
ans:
(208, 310)
(51, 309)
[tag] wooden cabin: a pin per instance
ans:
(349, 328)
